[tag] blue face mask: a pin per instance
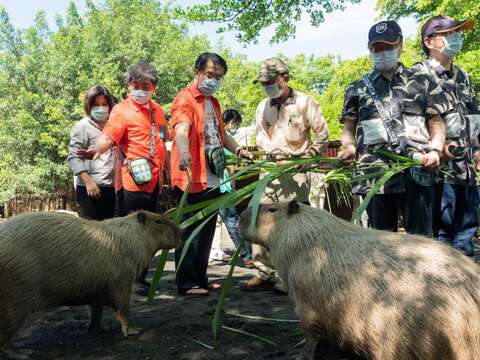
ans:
(209, 86)
(385, 60)
(453, 45)
(141, 96)
(99, 113)
(273, 91)
(232, 132)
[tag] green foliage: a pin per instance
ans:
(44, 74)
(248, 17)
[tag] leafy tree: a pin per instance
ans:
(249, 17)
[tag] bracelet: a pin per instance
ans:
(238, 150)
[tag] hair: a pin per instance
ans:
(202, 60)
(91, 95)
(232, 115)
(141, 71)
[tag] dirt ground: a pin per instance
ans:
(174, 326)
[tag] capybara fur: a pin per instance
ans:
(53, 259)
(386, 296)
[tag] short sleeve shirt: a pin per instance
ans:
(189, 107)
(129, 127)
(412, 97)
(462, 120)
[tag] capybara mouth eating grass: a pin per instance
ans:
(53, 259)
(386, 296)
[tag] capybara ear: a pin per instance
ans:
(293, 208)
(141, 217)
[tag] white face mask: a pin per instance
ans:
(273, 91)
(385, 60)
(141, 96)
(99, 113)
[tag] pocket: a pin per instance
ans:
(453, 124)
(415, 127)
(296, 128)
(474, 121)
(374, 132)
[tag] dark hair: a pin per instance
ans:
(141, 71)
(92, 94)
(203, 58)
(232, 115)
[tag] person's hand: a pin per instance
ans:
(348, 153)
(476, 159)
(92, 190)
(245, 154)
(430, 160)
(90, 154)
(185, 160)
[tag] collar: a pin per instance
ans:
(291, 99)
(439, 68)
(195, 91)
(375, 74)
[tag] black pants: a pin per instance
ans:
(131, 201)
(96, 209)
(415, 204)
(193, 270)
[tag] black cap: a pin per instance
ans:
(385, 31)
(441, 23)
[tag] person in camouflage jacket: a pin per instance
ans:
(457, 193)
(415, 103)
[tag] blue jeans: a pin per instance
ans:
(230, 218)
(458, 216)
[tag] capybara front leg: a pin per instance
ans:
(311, 341)
(96, 311)
(122, 306)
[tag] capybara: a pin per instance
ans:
(53, 259)
(386, 296)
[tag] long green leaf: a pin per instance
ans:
(243, 332)
(217, 316)
(157, 275)
(188, 242)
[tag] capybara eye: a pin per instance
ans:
(272, 209)
(159, 221)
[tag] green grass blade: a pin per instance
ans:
(217, 315)
(242, 332)
(260, 318)
(179, 212)
(188, 242)
(157, 275)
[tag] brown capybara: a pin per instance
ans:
(53, 259)
(386, 296)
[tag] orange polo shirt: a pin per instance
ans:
(129, 127)
(189, 106)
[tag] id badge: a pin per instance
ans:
(163, 132)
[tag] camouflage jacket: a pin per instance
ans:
(412, 97)
(463, 119)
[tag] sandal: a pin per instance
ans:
(195, 291)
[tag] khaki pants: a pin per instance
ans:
(285, 188)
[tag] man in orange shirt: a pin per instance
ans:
(138, 127)
(199, 133)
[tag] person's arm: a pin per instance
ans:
(238, 150)
(261, 134)
(77, 164)
(181, 140)
(348, 140)
(317, 123)
(437, 131)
